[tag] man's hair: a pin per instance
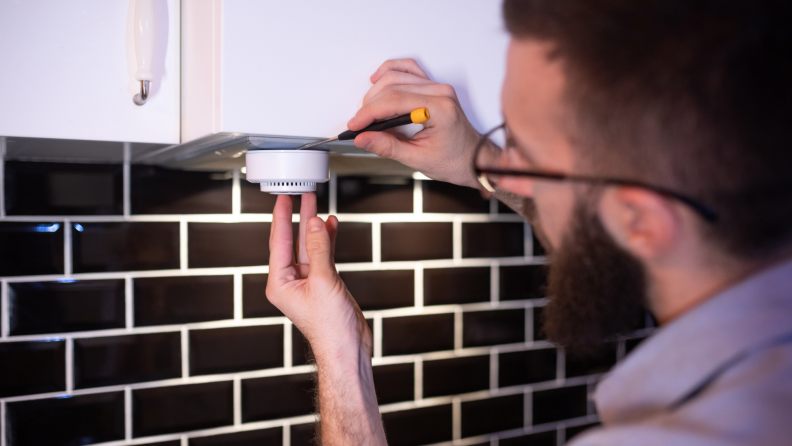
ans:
(693, 95)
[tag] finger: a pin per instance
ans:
(386, 105)
(332, 229)
(383, 144)
(317, 244)
(404, 65)
(281, 237)
(394, 78)
(307, 210)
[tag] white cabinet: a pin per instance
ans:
(301, 68)
(67, 70)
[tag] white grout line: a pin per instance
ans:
(67, 247)
(494, 281)
(2, 185)
(129, 307)
(183, 265)
(238, 296)
(5, 308)
(286, 435)
(332, 195)
(418, 377)
(376, 243)
(527, 408)
(456, 416)
(127, 413)
(184, 441)
(377, 335)
(457, 240)
(417, 197)
(237, 400)
(69, 365)
(419, 286)
(458, 329)
(560, 365)
(185, 355)
(494, 369)
(287, 345)
(2, 423)
(127, 179)
(493, 207)
(236, 194)
(527, 240)
(529, 325)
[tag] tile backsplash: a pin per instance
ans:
(133, 311)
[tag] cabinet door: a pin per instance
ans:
(68, 71)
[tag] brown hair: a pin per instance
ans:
(693, 95)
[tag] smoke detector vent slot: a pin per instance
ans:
(287, 172)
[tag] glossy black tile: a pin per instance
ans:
(538, 248)
(492, 240)
(34, 188)
(227, 244)
(112, 360)
(446, 197)
(457, 375)
(37, 248)
(522, 282)
(155, 190)
(482, 328)
(526, 367)
(353, 242)
(538, 324)
(184, 299)
(394, 383)
(417, 334)
(378, 290)
(492, 415)
(130, 246)
(559, 404)
(303, 434)
(235, 349)
(444, 286)
(547, 438)
(254, 201)
(164, 410)
(277, 397)
(254, 297)
(416, 241)
(630, 344)
(32, 367)
(65, 306)
(572, 432)
(503, 209)
(418, 426)
(67, 420)
(374, 195)
(262, 437)
(600, 362)
(301, 350)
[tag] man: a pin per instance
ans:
(653, 140)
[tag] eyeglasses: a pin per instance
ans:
(497, 145)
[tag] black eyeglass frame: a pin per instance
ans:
(705, 211)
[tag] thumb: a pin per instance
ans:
(383, 144)
(318, 247)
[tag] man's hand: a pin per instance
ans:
(443, 150)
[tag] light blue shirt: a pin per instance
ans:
(721, 374)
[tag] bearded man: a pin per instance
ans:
(650, 142)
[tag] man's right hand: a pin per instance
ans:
(443, 150)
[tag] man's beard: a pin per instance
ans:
(596, 289)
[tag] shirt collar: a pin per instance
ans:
(682, 354)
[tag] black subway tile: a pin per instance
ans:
(493, 327)
(417, 334)
(456, 285)
(394, 383)
(559, 404)
(378, 290)
(455, 375)
(165, 410)
(32, 367)
(277, 397)
(155, 190)
(416, 241)
(630, 344)
(227, 244)
(503, 209)
(353, 242)
(492, 240)
(600, 362)
(492, 415)
(184, 299)
(65, 306)
(419, 426)
(261, 437)
(37, 248)
(235, 349)
(547, 438)
(112, 360)
(67, 420)
(522, 282)
(374, 195)
(35, 188)
(538, 324)
(572, 432)
(526, 367)
(303, 434)
(254, 201)
(254, 297)
(300, 348)
(446, 197)
(130, 246)
(538, 248)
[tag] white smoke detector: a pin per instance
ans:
(287, 172)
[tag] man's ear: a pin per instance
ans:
(642, 222)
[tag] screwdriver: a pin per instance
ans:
(417, 116)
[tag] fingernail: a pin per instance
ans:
(365, 143)
(315, 225)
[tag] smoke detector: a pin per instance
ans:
(287, 172)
